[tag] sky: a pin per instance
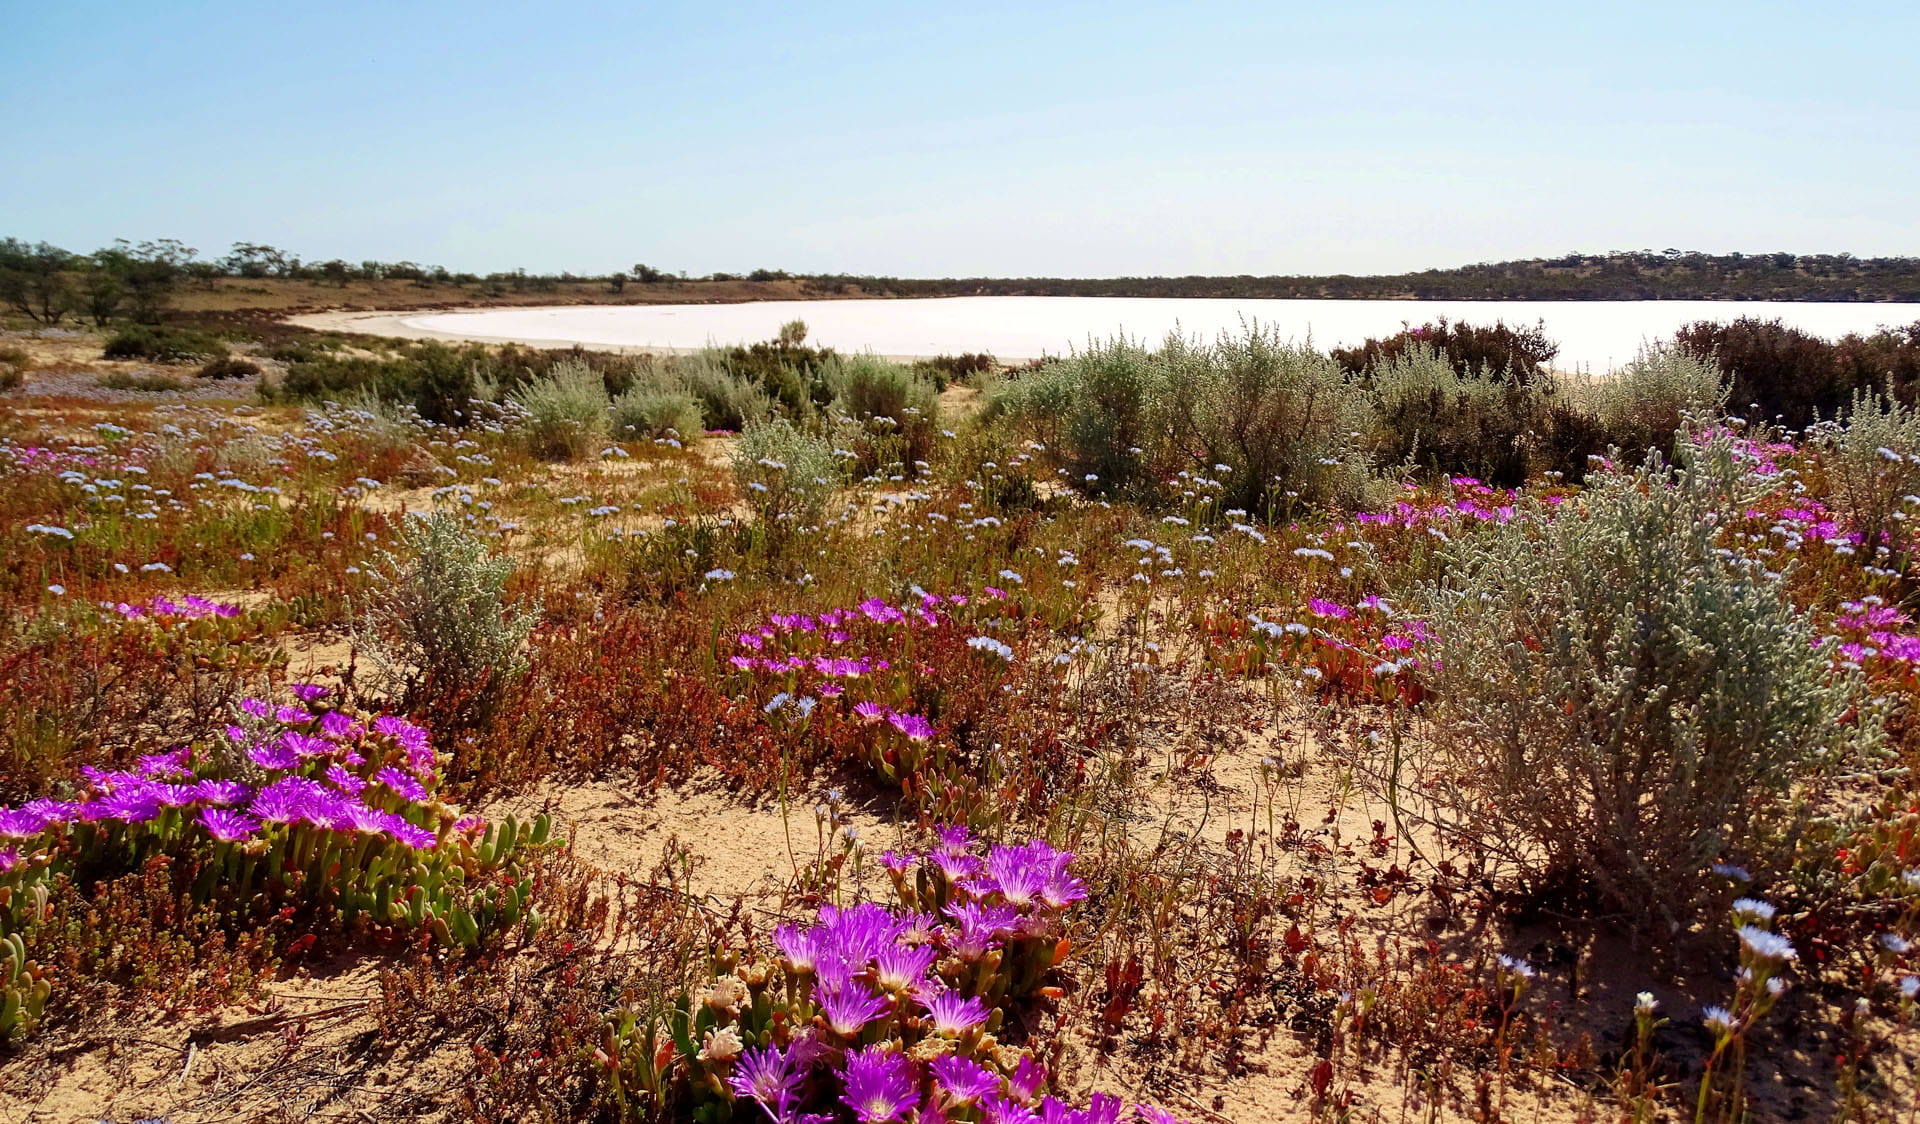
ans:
(968, 139)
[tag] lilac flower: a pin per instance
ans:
(129, 804)
(1027, 1078)
(228, 826)
(53, 812)
(285, 800)
(164, 765)
(955, 839)
(800, 946)
(277, 755)
(349, 783)
(954, 1013)
(956, 866)
(291, 715)
(305, 745)
(308, 692)
(768, 1076)
(175, 795)
(880, 1085)
(963, 1079)
(9, 859)
(902, 969)
(419, 838)
(915, 727)
(980, 925)
(21, 823)
(1148, 1114)
(1015, 873)
(224, 792)
(898, 861)
(860, 933)
(870, 711)
(338, 726)
(401, 783)
(255, 707)
(848, 1008)
(997, 1109)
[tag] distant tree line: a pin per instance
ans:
(137, 281)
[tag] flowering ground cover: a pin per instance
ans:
(1031, 769)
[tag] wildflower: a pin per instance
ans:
(1752, 911)
(1644, 1003)
(228, 826)
(1728, 870)
(1765, 945)
(954, 1013)
(963, 1080)
(722, 1045)
(880, 1085)
(847, 1009)
(913, 726)
(727, 994)
(1910, 986)
(1516, 966)
(902, 969)
(1892, 942)
(401, 783)
(768, 1076)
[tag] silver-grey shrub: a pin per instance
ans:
(644, 412)
(786, 475)
(1874, 462)
(564, 413)
(437, 612)
(1643, 404)
(1618, 704)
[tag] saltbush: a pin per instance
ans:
(786, 474)
(1647, 403)
(896, 411)
(162, 345)
(644, 413)
(564, 412)
(1617, 701)
(228, 367)
(1875, 474)
(436, 616)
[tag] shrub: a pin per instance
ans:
(726, 402)
(437, 619)
(896, 411)
(1499, 353)
(13, 367)
(565, 412)
(1780, 373)
(646, 413)
(942, 370)
(228, 367)
(1617, 703)
(1468, 422)
(162, 345)
(786, 475)
(1875, 467)
(1644, 404)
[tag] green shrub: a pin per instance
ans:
(1499, 353)
(228, 367)
(1469, 423)
(726, 402)
(646, 413)
(1875, 467)
(1781, 374)
(162, 345)
(563, 414)
(1616, 705)
(786, 475)
(896, 411)
(1644, 404)
(943, 370)
(13, 367)
(436, 618)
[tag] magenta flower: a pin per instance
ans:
(953, 1013)
(227, 825)
(401, 783)
(768, 1076)
(308, 692)
(848, 1009)
(305, 745)
(1321, 607)
(996, 1109)
(9, 859)
(880, 1085)
(902, 969)
(338, 726)
(963, 1080)
(19, 823)
(1027, 1078)
(913, 726)
(278, 755)
(224, 792)
(870, 711)
(349, 783)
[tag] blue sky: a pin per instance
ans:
(963, 139)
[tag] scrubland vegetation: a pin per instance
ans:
(1213, 729)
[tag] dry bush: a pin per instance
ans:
(1617, 705)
